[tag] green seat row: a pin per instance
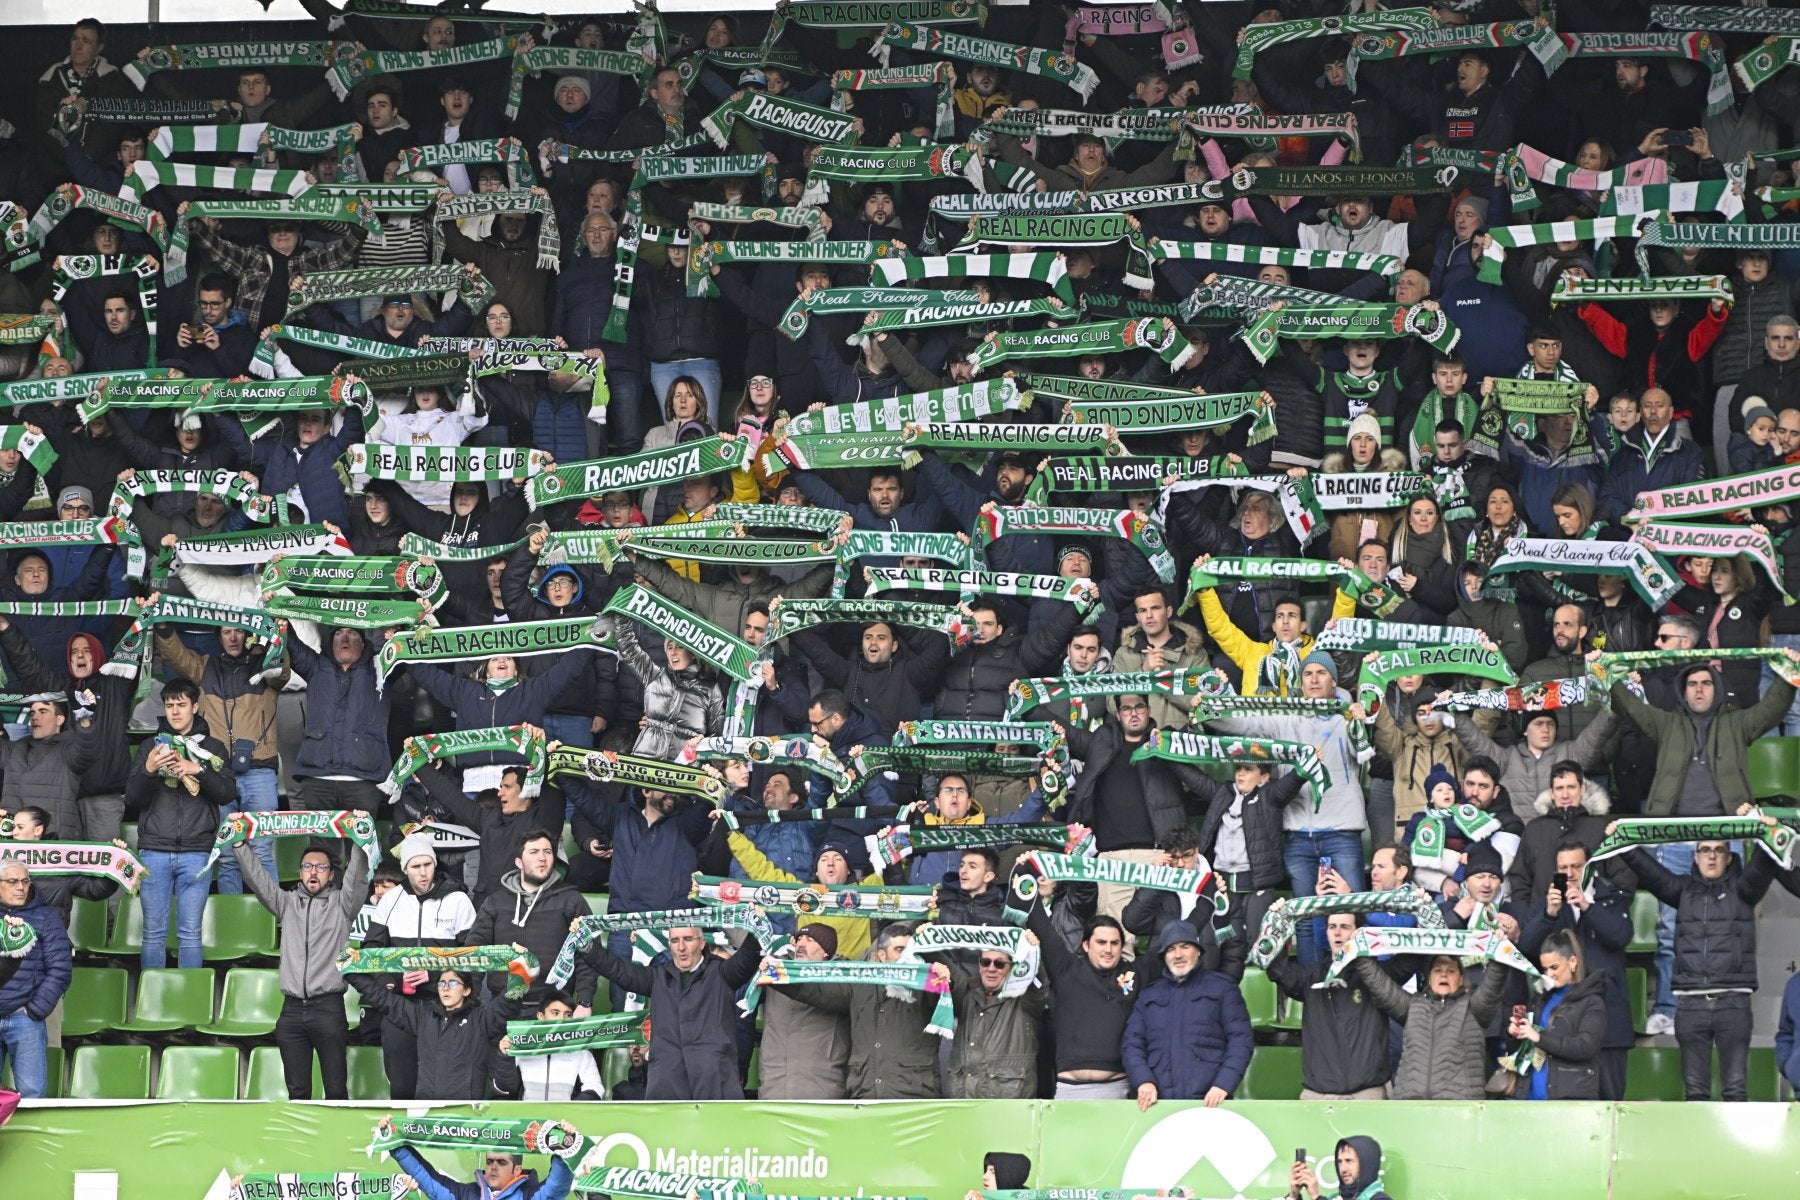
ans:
(204, 1073)
(231, 928)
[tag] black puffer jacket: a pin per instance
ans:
(1715, 919)
(676, 325)
(978, 676)
(1263, 837)
(1343, 1035)
(891, 692)
(172, 818)
(1167, 785)
(453, 1048)
(1573, 1040)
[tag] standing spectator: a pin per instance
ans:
(1343, 1034)
(36, 987)
(457, 1034)
(344, 750)
(315, 921)
(1189, 1035)
(805, 1050)
(1787, 1046)
(994, 1053)
(532, 908)
(1094, 993)
(1568, 1025)
(565, 1075)
(1444, 1051)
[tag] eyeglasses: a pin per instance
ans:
(1716, 851)
(25, 882)
(1667, 637)
(996, 962)
(451, 983)
(1125, 708)
(78, 508)
(761, 381)
(315, 866)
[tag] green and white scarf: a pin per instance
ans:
(1134, 474)
(35, 447)
(70, 198)
(1220, 568)
(1042, 267)
(607, 766)
(970, 584)
(1544, 696)
(1042, 735)
(932, 978)
(70, 267)
(825, 451)
(1715, 497)
(1541, 40)
(779, 516)
(1650, 577)
(443, 464)
(780, 115)
(633, 1183)
(515, 1135)
(1629, 833)
(1621, 663)
(134, 648)
(1248, 121)
(1187, 746)
(798, 751)
(357, 575)
(1260, 37)
(242, 827)
(896, 544)
(730, 551)
(1023, 695)
(1081, 229)
(1489, 945)
(1144, 532)
(305, 207)
(256, 138)
(723, 651)
(347, 73)
(1384, 667)
(421, 750)
(1050, 64)
(517, 203)
(1360, 319)
(419, 547)
(585, 547)
(965, 402)
(94, 860)
(870, 901)
(649, 468)
(1511, 237)
(939, 76)
(405, 372)
(1231, 252)
(520, 967)
(70, 120)
(290, 1185)
(1094, 338)
(936, 760)
(1654, 232)
(1724, 18)
(1765, 62)
(1079, 868)
(662, 168)
(865, 164)
(791, 615)
(322, 287)
(1695, 47)
(591, 929)
(834, 301)
(898, 843)
(566, 59)
(1351, 634)
(1016, 437)
(227, 485)
(349, 612)
(1011, 940)
(262, 362)
(1286, 913)
(253, 547)
(1429, 838)
(1570, 290)
(1357, 491)
(516, 639)
(1146, 408)
(528, 1039)
(147, 175)
(195, 56)
(699, 279)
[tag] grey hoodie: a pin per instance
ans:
(314, 927)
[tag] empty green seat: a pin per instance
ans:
(53, 1074)
(1774, 766)
(127, 936)
(110, 1073)
(171, 998)
(1261, 998)
(236, 927)
(615, 1068)
(128, 833)
(352, 1008)
(264, 1080)
(1637, 987)
(288, 853)
(198, 1073)
(1274, 1074)
(249, 1005)
(1644, 911)
(367, 1075)
(1762, 1077)
(95, 1000)
(87, 926)
(596, 902)
(1653, 1073)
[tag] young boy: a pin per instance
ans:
(1754, 449)
(1447, 401)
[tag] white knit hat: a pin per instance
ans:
(415, 845)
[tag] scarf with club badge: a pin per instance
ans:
(1082, 341)
(519, 202)
(939, 76)
(241, 827)
(1285, 915)
(1049, 64)
(345, 74)
(1143, 531)
(1078, 230)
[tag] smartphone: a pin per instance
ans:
(1518, 1014)
(1324, 865)
(1676, 138)
(1300, 1155)
(1562, 882)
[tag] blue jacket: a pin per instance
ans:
(1787, 1041)
(1493, 328)
(477, 707)
(314, 470)
(1187, 1036)
(559, 424)
(939, 866)
(346, 717)
(858, 729)
(44, 975)
(1677, 461)
(584, 299)
(792, 846)
(652, 865)
(434, 1185)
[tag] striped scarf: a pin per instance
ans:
(1048, 64)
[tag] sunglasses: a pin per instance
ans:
(996, 962)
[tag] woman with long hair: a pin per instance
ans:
(1730, 600)
(1421, 551)
(683, 405)
(1567, 1024)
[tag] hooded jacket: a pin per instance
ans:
(44, 974)
(978, 676)
(892, 691)
(45, 773)
(172, 819)
(1188, 1035)
(500, 832)
(314, 926)
(453, 1047)
(1728, 737)
(593, 691)
(1443, 1054)
(538, 921)
(434, 1185)
(1715, 919)
(1534, 867)
(512, 267)
(114, 696)
(677, 705)
(1367, 1185)
(239, 709)
(346, 714)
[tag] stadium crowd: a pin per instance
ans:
(788, 445)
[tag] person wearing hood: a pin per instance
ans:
(533, 907)
(1713, 973)
(1497, 616)
(1444, 1049)
(1189, 1035)
(179, 782)
(1526, 766)
(315, 919)
(31, 990)
(265, 274)
(891, 674)
(1269, 668)
(501, 1177)
(429, 908)
(456, 1035)
(238, 701)
(693, 1009)
(1002, 1171)
(1358, 1161)
(472, 520)
(831, 868)
(582, 711)
(195, 448)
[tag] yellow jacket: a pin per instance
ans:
(1247, 652)
(852, 932)
(743, 490)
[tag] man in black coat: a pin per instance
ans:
(1343, 1034)
(978, 675)
(693, 1008)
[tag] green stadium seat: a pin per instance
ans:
(1774, 765)
(198, 1073)
(1261, 997)
(352, 1008)
(95, 1000)
(171, 998)
(1763, 1076)
(754, 1078)
(1274, 1074)
(288, 853)
(235, 927)
(128, 833)
(615, 1068)
(368, 1077)
(127, 936)
(53, 1074)
(1644, 911)
(249, 1005)
(87, 926)
(264, 1080)
(1637, 987)
(110, 1073)
(1653, 1073)
(596, 902)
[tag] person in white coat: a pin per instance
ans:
(427, 420)
(565, 1075)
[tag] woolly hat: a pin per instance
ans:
(415, 845)
(1366, 423)
(75, 492)
(1754, 407)
(1441, 774)
(577, 82)
(1477, 205)
(834, 846)
(1482, 859)
(1319, 658)
(824, 935)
